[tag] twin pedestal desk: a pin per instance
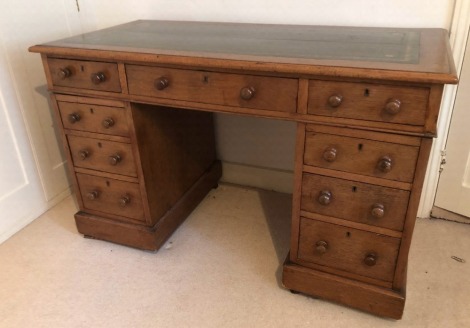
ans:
(135, 106)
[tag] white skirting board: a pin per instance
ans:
(258, 177)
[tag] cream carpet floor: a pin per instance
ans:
(220, 269)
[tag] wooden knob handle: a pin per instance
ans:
(325, 197)
(98, 78)
(378, 210)
(92, 195)
(114, 159)
(321, 246)
(64, 73)
(83, 154)
(247, 93)
(393, 106)
(370, 259)
(329, 154)
(335, 100)
(161, 83)
(74, 117)
(385, 164)
(107, 122)
(124, 201)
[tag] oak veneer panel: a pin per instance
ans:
(352, 200)
(176, 147)
(270, 93)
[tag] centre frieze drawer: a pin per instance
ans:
(355, 201)
(102, 155)
(361, 252)
(239, 90)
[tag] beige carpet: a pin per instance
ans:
(220, 269)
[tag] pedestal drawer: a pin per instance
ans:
(269, 93)
(366, 101)
(352, 250)
(362, 156)
(354, 201)
(111, 196)
(94, 118)
(81, 74)
(102, 155)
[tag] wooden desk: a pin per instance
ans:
(135, 105)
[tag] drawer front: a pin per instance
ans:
(102, 155)
(354, 201)
(361, 156)
(94, 118)
(111, 196)
(81, 74)
(269, 93)
(372, 102)
(356, 251)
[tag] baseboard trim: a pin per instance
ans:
(258, 177)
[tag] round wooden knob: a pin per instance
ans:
(83, 154)
(124, 201)
(247, 93)
(335, 100)
(393, 106)
(378, 210)
(107, 122)
(74, 117)
(370, 259)
(92, 195)
(64, 73)
(385, 164)
(329, 154)
(114, 159)
(325, 197)
(161, 83)
(321, 246)
(98, 78)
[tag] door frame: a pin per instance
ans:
(459, 33)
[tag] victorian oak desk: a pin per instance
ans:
(135, 105)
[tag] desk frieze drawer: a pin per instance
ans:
(81, 74)
(111, 196)
(249, 91)
(355, 201)
(94, 118)
(102, 155)
(364, 253)
(370, 102)
(362, 156)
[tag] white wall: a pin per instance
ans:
(260, 142)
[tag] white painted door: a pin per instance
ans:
(453, 192)
(32, 167)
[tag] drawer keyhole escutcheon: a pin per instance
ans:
(354, 189)
(329, 154)
(74, 118)
(107, 122)
(325, 197)
(161, 83)
(83, 154)
(378, 210)
(321, 247)
(247, 93)
(92, 195)
(360, 146)
(124, 200)
(393, 106)
(335, 100)
(385, 164)
(98, 78)
(370, 259)
(115, 159)
(366, 93)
